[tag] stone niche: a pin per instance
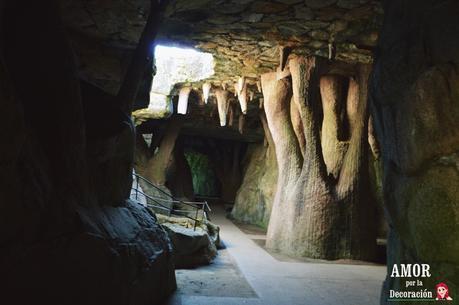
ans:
(68, 232)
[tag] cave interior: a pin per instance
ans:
(326, 134)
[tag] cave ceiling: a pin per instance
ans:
(243, 35)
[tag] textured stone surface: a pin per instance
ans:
(266, 24)
(193, 247)
(319, 3)
(104, 34)
(243, 35)
(416, 109)
(69, 234)
(92, 258)
(255, 196)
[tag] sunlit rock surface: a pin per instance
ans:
(173, 65)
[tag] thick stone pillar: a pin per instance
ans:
(316, 214)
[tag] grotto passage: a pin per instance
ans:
(229, 152)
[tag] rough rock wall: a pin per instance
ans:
(415, 101)
(68, 233)
(255, 196)
(104, 35)
(244, 34)
(179, 176)
(205, 182)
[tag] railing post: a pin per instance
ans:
(136, 188)
(208, 210)
(196, 218)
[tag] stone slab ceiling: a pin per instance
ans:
(244, 35)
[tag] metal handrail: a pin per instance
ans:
(170, 210)
(167, 208)
(172, 199)
(177, 201)
(188, 203)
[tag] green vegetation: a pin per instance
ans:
(203, 175)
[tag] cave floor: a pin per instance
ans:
(245, 273)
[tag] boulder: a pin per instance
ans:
(192, 247)
(109, 255)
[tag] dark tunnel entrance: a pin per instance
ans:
(205, 183)
(216, 166)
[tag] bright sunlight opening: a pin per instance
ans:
(175, 65)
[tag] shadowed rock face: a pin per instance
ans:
(68, 232)
(415, 103)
